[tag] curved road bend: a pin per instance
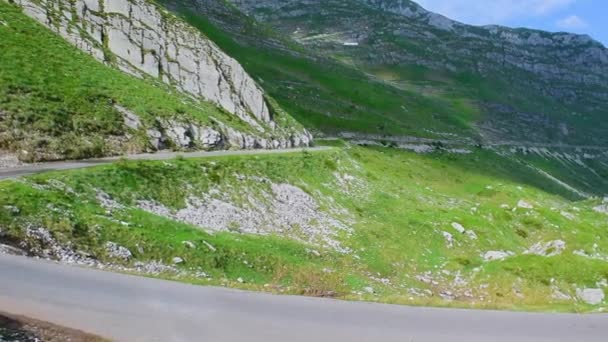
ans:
(132, 309)
(30, 169)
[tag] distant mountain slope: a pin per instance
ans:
(527, 84)
(183, 92)
(326, 95)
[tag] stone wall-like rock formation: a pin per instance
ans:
(144, 40)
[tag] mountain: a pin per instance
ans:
(462, 166)
(336, 92)
(525, 84)
(177, 89)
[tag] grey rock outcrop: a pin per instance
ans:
(496, 255)
(548, 249)
(591, 296)
(146, 41)
(116, 251)
(276, 209)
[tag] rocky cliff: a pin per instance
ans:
(146, 41)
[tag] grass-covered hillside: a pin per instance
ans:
(56, 101)
(523, 84)
(327, 96)
(380, 224)
(405, 76)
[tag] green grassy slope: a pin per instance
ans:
(57, 102)
(400, 205)
(467, 70)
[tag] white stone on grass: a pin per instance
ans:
(496, 255)
(460, 228)
(548, 249)
(189, 244)
(449, 239)
(116, 251)
(524, 205)
(591, 296)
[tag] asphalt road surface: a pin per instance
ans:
(129, 308)
(25, 170)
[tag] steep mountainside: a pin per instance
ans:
(517, 78)
(326, 95)
(216, 103)
(335, 92)
(465, 166)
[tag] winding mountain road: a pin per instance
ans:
(29, 169)
(132, 309)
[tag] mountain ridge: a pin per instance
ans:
(514, 77)
(397, 6)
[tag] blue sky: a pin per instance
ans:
(579, 16)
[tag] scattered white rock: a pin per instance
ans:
(131, 120)
(568, 215)
(557, 294)
(591, 296)
(313, 252)
(447, 295)
(597, 255)
(369, 289)
(285, 209)
(240, 280)
(602, 208)
(177, 261)
(505, 206)
(107, 202)
(496, 255)
(449, 239)
(524, 205)
(471, 234)
(189, 244)
(41, 243)
(210, 246)
(548, 249)
(12, 209)
(458, 227)
(116, 251)
(154, 268)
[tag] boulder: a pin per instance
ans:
(459, 228)
(591, 296)
(496, 255)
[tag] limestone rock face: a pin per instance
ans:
(145, 40)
